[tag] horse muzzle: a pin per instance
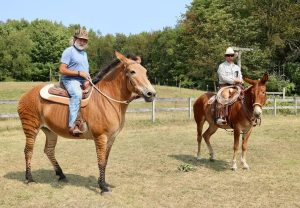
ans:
(257, 111)
(148, 95)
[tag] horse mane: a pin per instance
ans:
(104, 71)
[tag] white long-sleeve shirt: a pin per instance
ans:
(228, 73)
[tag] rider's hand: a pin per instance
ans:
(85, 75)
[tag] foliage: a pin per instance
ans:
(186, 168)
(276, 84)
(187, 55)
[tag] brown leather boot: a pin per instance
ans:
(80, 123)
(220, 114)
(75, 131)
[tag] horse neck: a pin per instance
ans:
(114, 85)
(248, 100)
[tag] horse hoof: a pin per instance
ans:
(246, 168)
(63, 179)
(31, 181)
(234, 168)
(212, 159)
(198, 158)
(105, 191)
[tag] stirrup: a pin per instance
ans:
(75, 131)
(221, 121)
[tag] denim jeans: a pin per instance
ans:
(75, 91)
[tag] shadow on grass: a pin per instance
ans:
(217, 165)
(48, 177)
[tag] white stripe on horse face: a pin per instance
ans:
(257, 111)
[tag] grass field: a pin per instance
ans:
(144, 162)
(143, 167)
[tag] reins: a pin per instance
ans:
(249, 115)
(126, 102)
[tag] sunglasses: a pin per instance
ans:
(229, 55)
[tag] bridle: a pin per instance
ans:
(126, 102)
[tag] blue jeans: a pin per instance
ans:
(75, 91)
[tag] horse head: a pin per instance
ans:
(137, 80)
(258, 94)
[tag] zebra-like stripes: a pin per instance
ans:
(104, 117)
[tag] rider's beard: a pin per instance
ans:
(80, 47)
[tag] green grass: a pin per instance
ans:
(14, 90)
(143, 167)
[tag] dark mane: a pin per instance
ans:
(99, 76)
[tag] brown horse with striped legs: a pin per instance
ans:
(124, 80)
(241, 117)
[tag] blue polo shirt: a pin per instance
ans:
(76, 60)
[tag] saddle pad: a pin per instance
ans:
(59, 99)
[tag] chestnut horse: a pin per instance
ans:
(241, 117)
(122, 81)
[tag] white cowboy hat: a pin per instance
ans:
(229, 50)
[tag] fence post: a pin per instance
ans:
(275, 106)
(296, 107)
(190, 108)
(153, 111)
(283, 93)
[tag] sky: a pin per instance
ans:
(105, 16)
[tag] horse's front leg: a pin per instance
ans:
(235, 148)
(101, 149)
(245, 137)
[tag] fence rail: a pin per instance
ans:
(278, 104)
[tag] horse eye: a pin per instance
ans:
(132, 72)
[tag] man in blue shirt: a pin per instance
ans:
(74, 68)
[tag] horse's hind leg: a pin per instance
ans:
(51, 140)
(199, 137)
(207, 134)
(28, 150)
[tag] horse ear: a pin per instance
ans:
(265, 78)
(249, 81)
(121, 57)
(138, 60)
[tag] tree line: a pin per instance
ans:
(187, 55)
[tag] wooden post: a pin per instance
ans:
(239, 61)
(190, 108)
(296, 107)
(153, 111)
(275, 106)
(283, 93)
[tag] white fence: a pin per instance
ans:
(277, 104)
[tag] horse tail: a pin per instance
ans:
(199, 114)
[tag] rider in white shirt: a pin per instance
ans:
(229, 74)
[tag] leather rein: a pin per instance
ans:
(126, 102)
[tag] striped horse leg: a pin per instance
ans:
(49, 150)
(101, 149)
(28, 150)
(30, 133)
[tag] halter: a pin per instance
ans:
(251, 118)
(254, 104)
(126, 102)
